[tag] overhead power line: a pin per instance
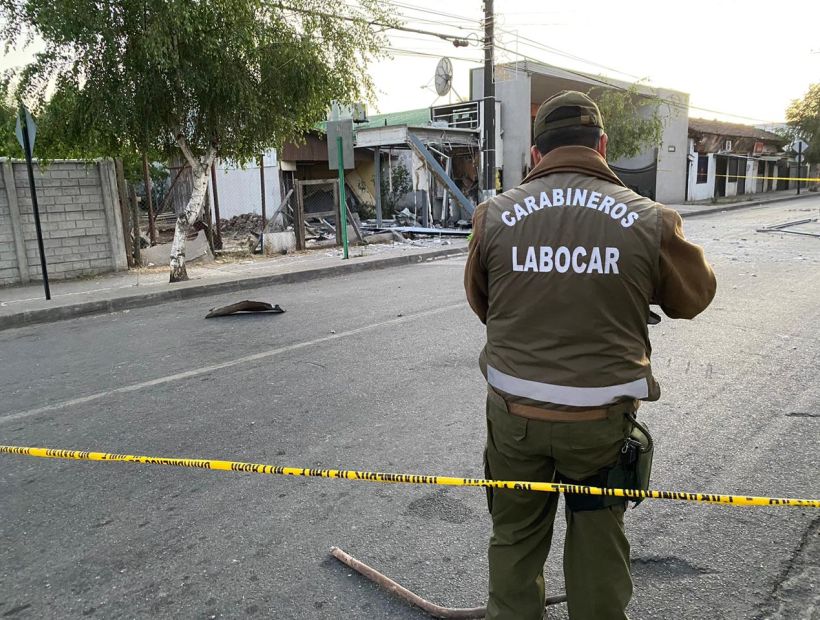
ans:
(456, 40)
(552, 50)
(404, 52)
(431, 11)
(604, 82)
(437, 18)
(460, 41)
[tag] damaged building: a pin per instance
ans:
(731, 159)
(416, 169)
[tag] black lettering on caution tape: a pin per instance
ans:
(411, 478)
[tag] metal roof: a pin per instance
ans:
(408, 118)
(411, 118)
(720, 128)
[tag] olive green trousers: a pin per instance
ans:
(596, 551)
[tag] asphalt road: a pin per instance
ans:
(378, 371)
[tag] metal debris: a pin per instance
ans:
(783, 228)
(246, 306)
(419, 230)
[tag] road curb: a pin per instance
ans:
(746, 205)
(141, 300)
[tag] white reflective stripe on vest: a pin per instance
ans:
(566, 395)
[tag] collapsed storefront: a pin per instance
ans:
(414, 172)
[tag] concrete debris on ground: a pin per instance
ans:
(241, 232)
(240, 226)
(196, 249)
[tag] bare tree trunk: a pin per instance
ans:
(199, 171)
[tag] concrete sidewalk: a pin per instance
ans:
(705, 207)
(26, 305)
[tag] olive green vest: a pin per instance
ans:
(572, 262)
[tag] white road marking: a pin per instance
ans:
(227, 364)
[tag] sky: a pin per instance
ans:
(739, 61)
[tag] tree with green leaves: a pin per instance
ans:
(395, 189)
(9, 147)
(803, 118)
(632, 120)
(227, 77)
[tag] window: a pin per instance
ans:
(703, 168)
(732, 174)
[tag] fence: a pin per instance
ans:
(80, 216)
(318, 201)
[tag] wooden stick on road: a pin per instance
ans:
(437, 611)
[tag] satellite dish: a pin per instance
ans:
(444, 76)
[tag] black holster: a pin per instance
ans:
(630, 472)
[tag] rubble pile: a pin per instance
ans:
(241, 226)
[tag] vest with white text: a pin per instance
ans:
(572, 264)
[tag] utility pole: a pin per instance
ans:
(489, 100)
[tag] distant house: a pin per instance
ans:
(730, 159)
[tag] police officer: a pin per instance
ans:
(562, 270)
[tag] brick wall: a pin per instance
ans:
(80, 218)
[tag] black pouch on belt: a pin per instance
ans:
(632, 471)
(634, 466)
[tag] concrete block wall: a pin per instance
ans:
(79, 214)
(8, 256)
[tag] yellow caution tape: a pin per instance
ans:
(755, 178)
(347, 474)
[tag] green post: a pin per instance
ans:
(342, 197)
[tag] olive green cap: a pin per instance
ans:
(569, 108)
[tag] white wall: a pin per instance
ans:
(513, 90)
(240, 189)
(751, 172)
(671, 177)
(700, 191)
